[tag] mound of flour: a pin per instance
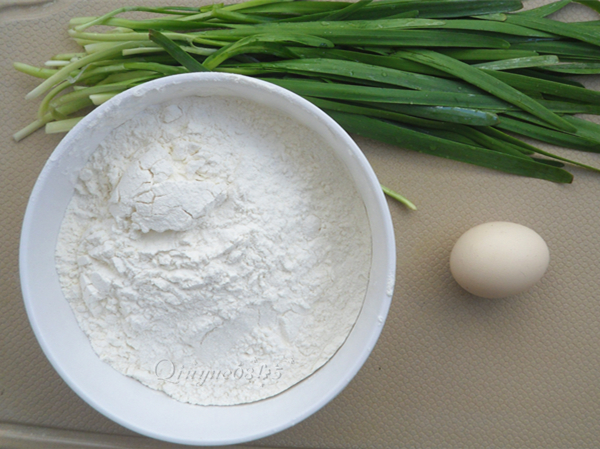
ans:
(214, 250)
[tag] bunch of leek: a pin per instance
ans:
(460, 79)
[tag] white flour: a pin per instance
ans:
(214, 250)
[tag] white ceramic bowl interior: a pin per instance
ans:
(127, 401)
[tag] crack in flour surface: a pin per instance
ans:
(215, 250)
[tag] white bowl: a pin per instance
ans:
(127, 401)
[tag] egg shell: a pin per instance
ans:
(499, 259)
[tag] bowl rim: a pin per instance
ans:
(45, 332)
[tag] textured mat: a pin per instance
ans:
(449, 370)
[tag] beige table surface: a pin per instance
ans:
(449, 370)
